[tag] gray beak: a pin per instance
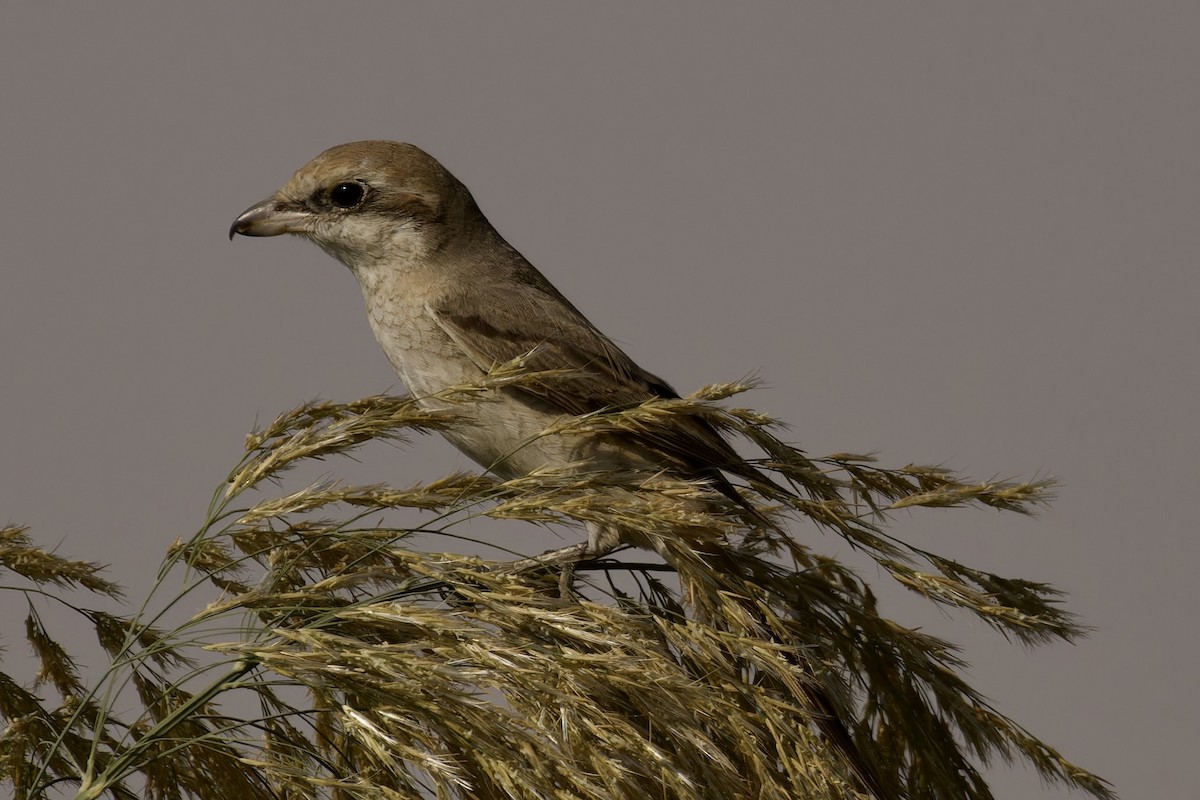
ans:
(270, 218)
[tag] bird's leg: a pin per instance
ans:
(602, 540)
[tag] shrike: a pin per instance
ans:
(449, 299)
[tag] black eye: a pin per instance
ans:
(347, 195)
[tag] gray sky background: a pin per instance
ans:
(948, 232)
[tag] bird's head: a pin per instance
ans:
(365, 203)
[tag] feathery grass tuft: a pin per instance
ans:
(333, 658)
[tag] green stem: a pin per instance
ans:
(91, 788)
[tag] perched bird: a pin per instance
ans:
(449, 299)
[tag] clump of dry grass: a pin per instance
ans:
(370, 668)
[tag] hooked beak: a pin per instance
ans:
(271, 217)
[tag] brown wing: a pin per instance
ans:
(605, 376)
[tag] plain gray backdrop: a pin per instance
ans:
(960, 233)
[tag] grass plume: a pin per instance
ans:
(363, 666)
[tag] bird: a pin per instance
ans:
(449, 300)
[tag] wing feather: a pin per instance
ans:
(606, 378)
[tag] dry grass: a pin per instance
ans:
(377, 670)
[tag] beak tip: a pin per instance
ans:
(269, 218)
(248, 219)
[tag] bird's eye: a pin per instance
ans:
(347, 195)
